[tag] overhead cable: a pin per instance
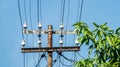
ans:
(65, 64)
(25, 10)
(81, 8)
(21, 23)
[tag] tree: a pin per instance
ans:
(103, 41)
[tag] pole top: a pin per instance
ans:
(50, 27)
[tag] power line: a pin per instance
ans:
(70, 60)
(67, 18)
(81, 10)
(65, 64)
(78, 9)
(63, 11)
(68, 14)
(27, 34)
(19, 10)
(42, 56)
(38, 10)
(31, 28)
(38, 17)
(56, 59)
(25, 10)
(30, 15)
(80, 55)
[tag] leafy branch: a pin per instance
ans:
(103, 40)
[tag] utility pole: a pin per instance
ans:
(50, 30)
(50, 49)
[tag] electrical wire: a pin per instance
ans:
(68, 14)
(19, 10)
(67, 19)
(65, 64)
(78, 9)
(81, 8)
(38, 10)
(63, 17)
(78, 18)
(25, 10)
(31, 25)
(80, 55)
(43, 55)
(70, 60)
(39, 18)
(27, 46)
(63, 11)
(61, 23)
(40, 58)
(75, 57)
(59, 61)
(56, 59)
(26, 34)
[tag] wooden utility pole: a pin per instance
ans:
(50, 48)
(50, 30)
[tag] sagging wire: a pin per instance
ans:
(19, 10)
(55, 60)
(60, 61)
(65, 64)
(42, 56)
(70, 60)
(80, 55)
(23, 41)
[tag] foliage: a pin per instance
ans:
(105, 43)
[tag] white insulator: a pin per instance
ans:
(23, 43)
(39, 41)
(61, 26)
(61, 41)
(25, 25)
(39, 25)
(76, 42)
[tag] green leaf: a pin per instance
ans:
(95, 30)
(103, 26)
(108, 39)
(97, 26)
(90, 50)
(118, 31)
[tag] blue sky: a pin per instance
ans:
(99, 11)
